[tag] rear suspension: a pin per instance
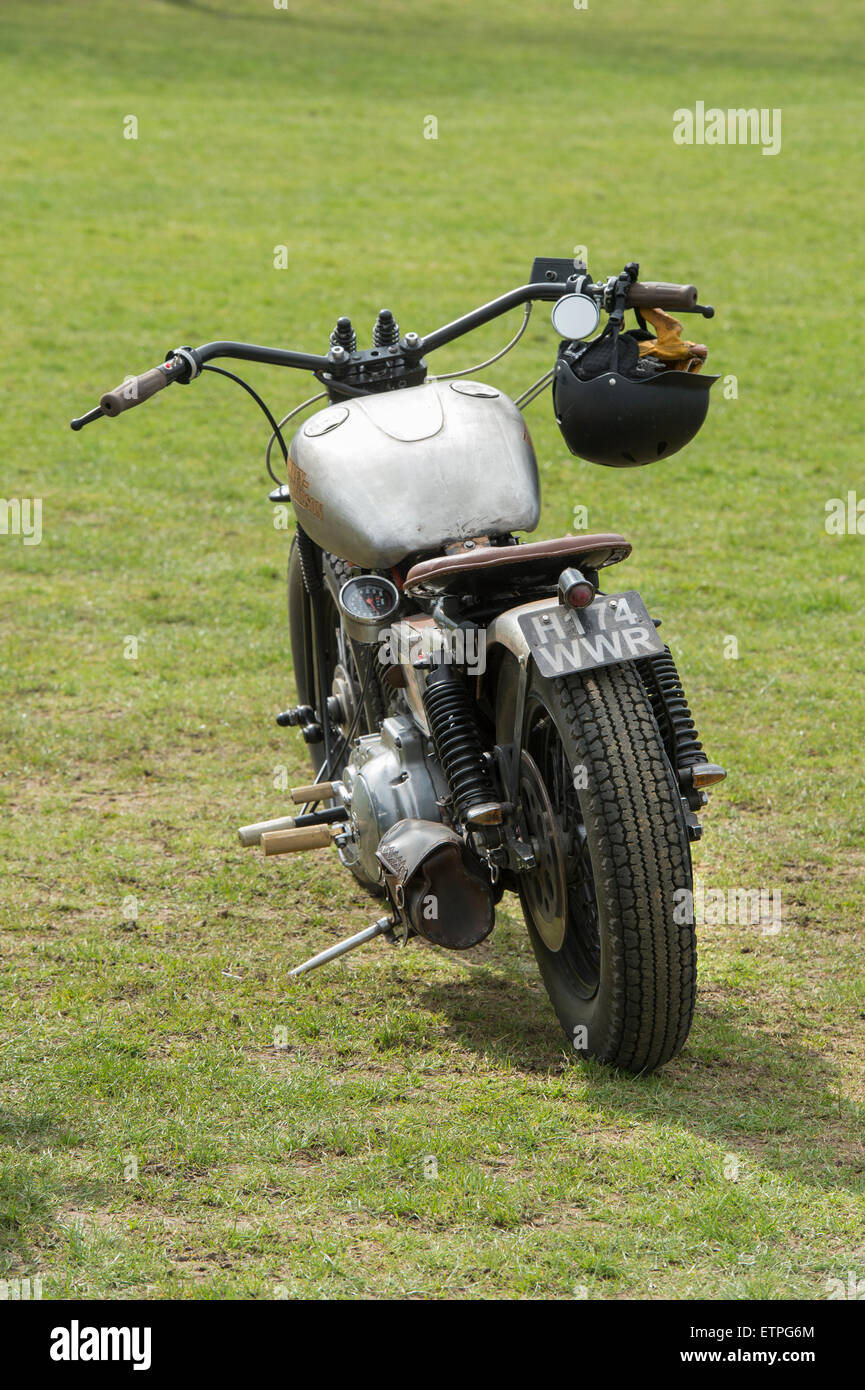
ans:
(673, 715)
(451, 716)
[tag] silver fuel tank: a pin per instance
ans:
(380, 477)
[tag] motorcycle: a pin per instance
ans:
(481, 716)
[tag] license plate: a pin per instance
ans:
(614, 628)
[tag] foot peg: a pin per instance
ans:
(300, 714)
(295, 841)
(384, 924)
(320, 791)
(251, 834)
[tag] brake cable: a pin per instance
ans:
(468, 371)
(257, 398)
(284, 421)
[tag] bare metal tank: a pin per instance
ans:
(382, 477)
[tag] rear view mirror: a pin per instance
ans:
(575, 316)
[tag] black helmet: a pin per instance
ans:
(616, 408)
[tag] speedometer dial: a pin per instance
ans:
(368, 602)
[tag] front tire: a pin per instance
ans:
(605, 906)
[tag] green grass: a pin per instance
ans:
(298, 1169)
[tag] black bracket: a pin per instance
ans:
(556, 269)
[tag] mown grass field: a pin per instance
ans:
(178, 1119)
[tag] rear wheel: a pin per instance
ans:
(604, 905)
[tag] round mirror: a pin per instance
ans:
(575, 316)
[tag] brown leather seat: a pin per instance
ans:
(500, 565)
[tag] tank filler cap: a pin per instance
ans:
(474, 388)
(325, 420)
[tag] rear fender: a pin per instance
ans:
(504, 632)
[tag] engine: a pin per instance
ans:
(389, 778)
(395, 794)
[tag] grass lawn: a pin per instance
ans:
(177, 1118)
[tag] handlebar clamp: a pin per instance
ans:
(190, 357)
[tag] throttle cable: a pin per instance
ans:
(257, 398)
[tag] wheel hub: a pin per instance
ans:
(545, 886)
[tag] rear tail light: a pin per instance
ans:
(575, 590)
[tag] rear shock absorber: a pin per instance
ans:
(678, 730)
(451, 716)
(667, 694)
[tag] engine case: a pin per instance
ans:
(388, 779)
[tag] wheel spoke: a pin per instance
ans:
(573, 921)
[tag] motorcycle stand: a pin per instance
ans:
(379, 928)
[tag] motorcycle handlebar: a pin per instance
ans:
(651, 294)
(132, 391)
(187, 362)
(135, 389)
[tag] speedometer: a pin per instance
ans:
(368, 603)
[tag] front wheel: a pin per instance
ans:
(605, 904)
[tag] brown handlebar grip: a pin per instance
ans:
(650, 294)
(133, 391)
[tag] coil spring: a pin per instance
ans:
(666, 693)
(310, 566)
(451, 717)
(386, 330)
(344, 335)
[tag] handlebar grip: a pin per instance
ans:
(650, 294)
(133, 391)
